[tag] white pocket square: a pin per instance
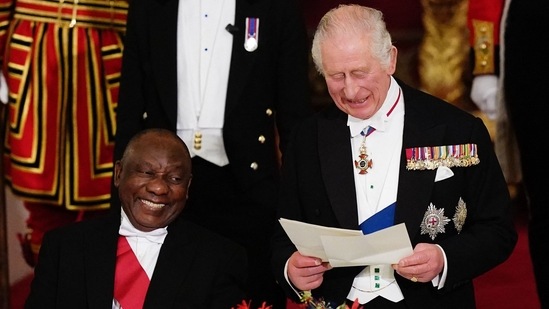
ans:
(443, 172)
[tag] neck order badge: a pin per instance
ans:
(363, 163)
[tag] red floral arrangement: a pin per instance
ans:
(307, 302)
(248, 305)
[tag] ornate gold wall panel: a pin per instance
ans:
(444, 51)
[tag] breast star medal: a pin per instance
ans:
(433, 221)
(460, 215)
(363, 163)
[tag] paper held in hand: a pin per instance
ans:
(343, 247)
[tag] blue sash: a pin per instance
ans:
(380, 220)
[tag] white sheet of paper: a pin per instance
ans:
(342, 247)
(306, 237)
(386, 246)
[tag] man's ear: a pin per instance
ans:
(117, 172)
(188, 186)
(392, 65)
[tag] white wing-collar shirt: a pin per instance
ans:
(145, 245)
(378, 188)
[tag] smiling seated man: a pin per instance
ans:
(177, 263)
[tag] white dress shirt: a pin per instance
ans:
(378, 188)
(203, 61)
(145, 245)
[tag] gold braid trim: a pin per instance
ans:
(484, 47)
(100, 14)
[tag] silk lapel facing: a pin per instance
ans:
(336, 160)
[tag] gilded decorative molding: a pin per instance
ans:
(443, 54)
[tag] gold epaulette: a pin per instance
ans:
(484, 47)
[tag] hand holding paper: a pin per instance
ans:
(343, 247)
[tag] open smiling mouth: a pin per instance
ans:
(152, 205)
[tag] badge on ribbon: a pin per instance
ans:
(251, 41)
(363, 163)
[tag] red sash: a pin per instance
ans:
(130, 280)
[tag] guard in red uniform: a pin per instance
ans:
(512, 90)
(61, 62)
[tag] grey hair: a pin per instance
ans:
(358, 20)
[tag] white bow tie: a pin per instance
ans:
(128, 230)
(356, 127)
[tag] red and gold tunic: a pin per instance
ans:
(483, 22)
(62, 61)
